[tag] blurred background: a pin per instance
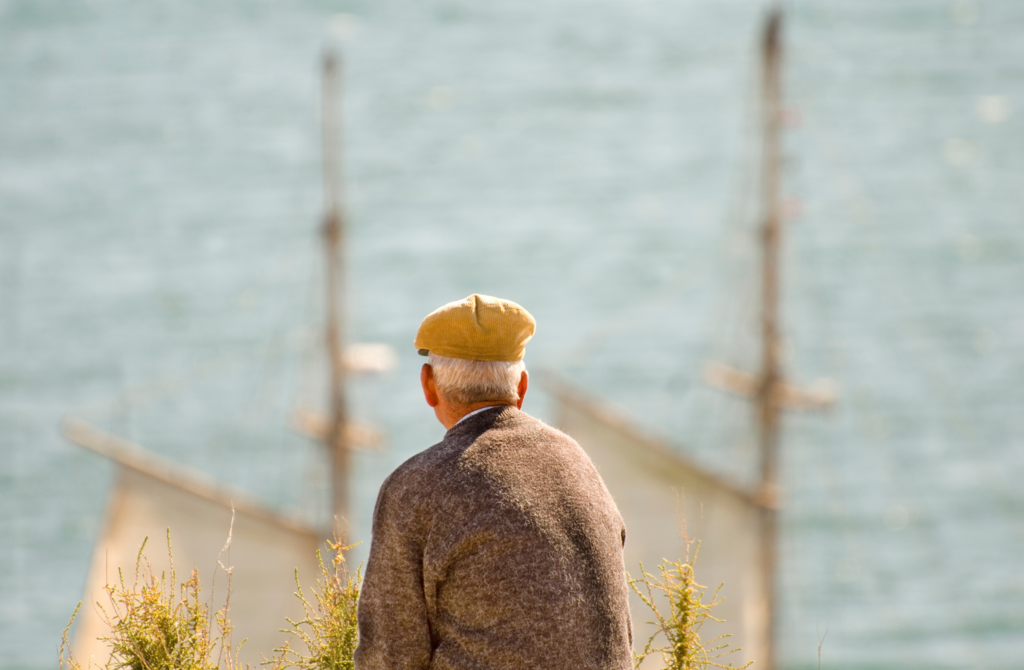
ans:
(161, 268)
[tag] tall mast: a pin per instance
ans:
(769, 386)
(333, 236)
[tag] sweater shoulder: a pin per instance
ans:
(418, 470)
(543, 433)
(554, 434)
(536, 429)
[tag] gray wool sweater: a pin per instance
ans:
(497, 548)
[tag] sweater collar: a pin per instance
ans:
(476, 411)
(481, 420)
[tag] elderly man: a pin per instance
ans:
(499, 547)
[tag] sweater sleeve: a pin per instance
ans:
(394, 630)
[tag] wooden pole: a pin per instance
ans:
(768, 406)
(333, 235)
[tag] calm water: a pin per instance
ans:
(159, 267)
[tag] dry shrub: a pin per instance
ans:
(683, 648)
(159, 624)
(329, 630)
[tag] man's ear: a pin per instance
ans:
(524, 383)
(429, 386)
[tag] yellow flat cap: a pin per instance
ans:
(478, 328)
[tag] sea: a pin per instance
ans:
(161, 268)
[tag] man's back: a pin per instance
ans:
(499, 547)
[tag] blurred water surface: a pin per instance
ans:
(160, 270)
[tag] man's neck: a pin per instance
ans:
(450, 414)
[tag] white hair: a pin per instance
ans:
(467, 382)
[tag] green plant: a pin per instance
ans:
(329, 630)
(159, 624)
(65, 647)
(683, 648)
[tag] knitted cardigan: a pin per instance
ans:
(497, 548)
